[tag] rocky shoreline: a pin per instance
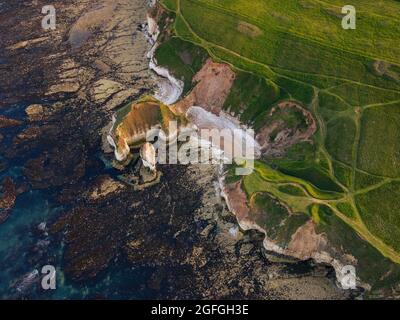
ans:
(238, 200)
(123, 241)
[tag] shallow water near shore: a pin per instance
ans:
(25, 245)
(25, 248)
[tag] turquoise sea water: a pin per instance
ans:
(19, 240)
(25, 246)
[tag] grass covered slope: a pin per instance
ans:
(182, 58)
(348, 79)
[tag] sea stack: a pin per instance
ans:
(148, 156)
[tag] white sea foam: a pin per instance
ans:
(169, 89)
(233, 144)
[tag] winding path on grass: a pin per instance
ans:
(310, 195)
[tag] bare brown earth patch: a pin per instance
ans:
(277, 136)
(214, 82)
(249, 29)
(237, 200)
(306, 242)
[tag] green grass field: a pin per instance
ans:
(250, 97)
(348, 79)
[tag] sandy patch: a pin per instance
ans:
(236, 200)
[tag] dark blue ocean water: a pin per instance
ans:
(25, 248)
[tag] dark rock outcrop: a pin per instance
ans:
(8, 195)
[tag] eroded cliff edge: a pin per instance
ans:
(306, 216)
(60, 86)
